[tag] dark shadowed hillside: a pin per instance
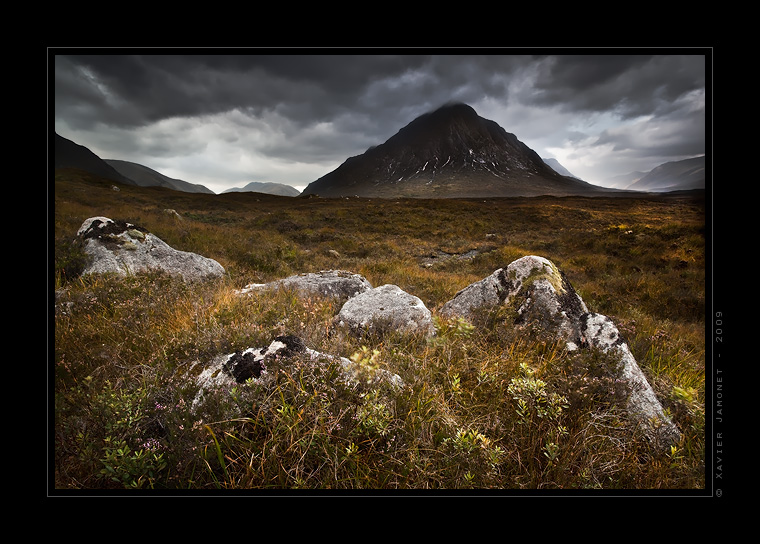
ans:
(71, 155)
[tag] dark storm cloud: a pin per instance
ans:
(630, 85)
(307, 88)
(133, 90)
(258, 113)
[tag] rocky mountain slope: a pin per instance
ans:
(69, 154)
(448, 153)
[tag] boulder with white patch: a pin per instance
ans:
(227, 371)
(123, 248)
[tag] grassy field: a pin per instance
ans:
(474, 413)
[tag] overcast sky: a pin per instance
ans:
(223, 120)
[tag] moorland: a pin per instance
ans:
(120, 406)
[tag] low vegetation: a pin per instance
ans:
(484, 408)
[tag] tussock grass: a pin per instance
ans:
(484, 407)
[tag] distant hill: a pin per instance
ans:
(557, 167)
(451, 152)
(624, 180)
(684, 175)
(673, 176)
(147, 177)
(72, 155)
(69, 154)
(266, 188)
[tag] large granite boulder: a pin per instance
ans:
(123, 248)
(386, 308)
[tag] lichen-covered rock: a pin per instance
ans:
(541, 293)
(225, 371)
(327, 283)
(122, 248)
(544, 298)
(386, 308)
(598, 331)
(545, 302)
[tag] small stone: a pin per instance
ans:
(327, 283)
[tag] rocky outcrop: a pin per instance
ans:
(123, 248)
(386, 308)
(545, 302)
(327, 283)
(253, 363)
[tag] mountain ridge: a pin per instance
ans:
(681, 175)
(69, 154)
(145, 176)
(266, 187)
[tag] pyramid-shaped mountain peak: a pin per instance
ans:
(450, 124)
(450, 152)
(452, 111)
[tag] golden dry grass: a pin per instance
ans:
(123, 346)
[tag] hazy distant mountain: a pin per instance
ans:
(673, 176)
(557, 167)
(267, 188)
(450, 152)
(147, 177)
(624, 180)
(71, 155)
